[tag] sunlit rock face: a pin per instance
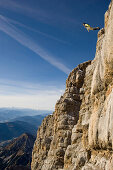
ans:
(80, 131)
(100, 127)
(54, 135)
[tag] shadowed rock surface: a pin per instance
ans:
(81, 128)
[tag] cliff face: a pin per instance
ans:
(79, 134)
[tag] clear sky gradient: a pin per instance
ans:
(41, 41)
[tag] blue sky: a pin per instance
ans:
(41, 41)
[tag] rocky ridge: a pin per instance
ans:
(17, 154)
(80, 131)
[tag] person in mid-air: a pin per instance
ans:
(88, 27)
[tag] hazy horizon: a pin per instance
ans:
(22, 108)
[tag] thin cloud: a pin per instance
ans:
(19, 36)
(13, 87)
(28, 95)
(37, 31)
(39, 13)
(24, 9)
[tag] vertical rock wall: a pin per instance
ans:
(42, 143)
(60, 124)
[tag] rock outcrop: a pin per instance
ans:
(79, 134)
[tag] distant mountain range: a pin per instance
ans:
(6, 114)
(18, 129)
(17, 154)
(34, 120)
(20, 125)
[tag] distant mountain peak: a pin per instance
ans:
(18, 153)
